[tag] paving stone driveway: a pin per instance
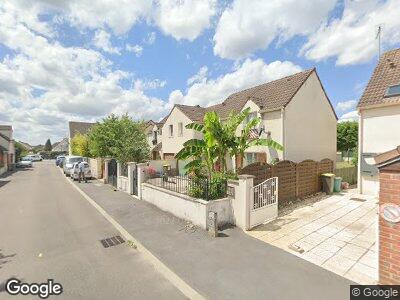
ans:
(337, 233)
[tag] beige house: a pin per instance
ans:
(7, 149)
(295, 112)
(379, 119)
(153, 131)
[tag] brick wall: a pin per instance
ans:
(389, 233)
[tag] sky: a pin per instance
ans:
(81, 60)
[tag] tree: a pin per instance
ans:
(244, 140)
(219, 140)
(20, 151)
(47, 146)
(120, 138)
(347, 136)
(80, 145)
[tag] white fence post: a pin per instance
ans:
(241, 201)
(141, 177)
(131, 168)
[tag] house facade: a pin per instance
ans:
(174, 133)
(7, 149)
(379, 119)
(295, 111)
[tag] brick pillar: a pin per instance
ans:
(389, 233)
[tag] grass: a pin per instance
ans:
(344, 164)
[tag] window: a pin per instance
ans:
(251, 116)
(393, 90)
(251, 158)
(180, 129)
(171, 130)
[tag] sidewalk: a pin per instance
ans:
(233, 266)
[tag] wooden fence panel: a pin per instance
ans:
(261, 171)
(286, 173)
(348, 174)
(294, 180)
(307, 178)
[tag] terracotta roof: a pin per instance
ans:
(194, 113)
(271, 95)
(386, 74)
(5, 127)
(387, 157)
(5, 137)
(81, 127)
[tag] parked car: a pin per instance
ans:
(25, 162)
(35, 157)
(86, 171)
(59, 159)
(69, 162)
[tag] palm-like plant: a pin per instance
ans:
(219, 140)
(244, 141)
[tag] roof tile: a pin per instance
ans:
(386, 74)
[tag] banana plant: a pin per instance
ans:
(244, 141)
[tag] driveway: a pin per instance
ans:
(335, 232)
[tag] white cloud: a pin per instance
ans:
(350, 116)
(137, 49)
(351, 38)
(150, 39)
(44, 84)
(250, 73)
(102, 41)
(142, 85)
(184, 19)
(244, 27)
(346, 105)
(201, 76)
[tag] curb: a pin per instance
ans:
(181, 285)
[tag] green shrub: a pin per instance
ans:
(215, 188)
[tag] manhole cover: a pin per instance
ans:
(112, 241)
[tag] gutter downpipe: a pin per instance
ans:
(360, 148)
(283, 133)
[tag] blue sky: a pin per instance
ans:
(81, 60)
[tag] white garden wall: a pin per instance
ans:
(188, 208)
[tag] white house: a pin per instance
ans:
(295, 112)
(7, 149)
(379, 119)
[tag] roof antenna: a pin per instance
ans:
(378, 36)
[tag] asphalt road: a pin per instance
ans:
(48, 230)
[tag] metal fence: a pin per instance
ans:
(124, 169)
(195, 187)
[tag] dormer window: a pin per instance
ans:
(393, 90)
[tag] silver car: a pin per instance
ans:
(69, 162)
(25, 162)
(87, 174)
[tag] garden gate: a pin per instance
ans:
(264, 202)
(135, 180)
(112, 172)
